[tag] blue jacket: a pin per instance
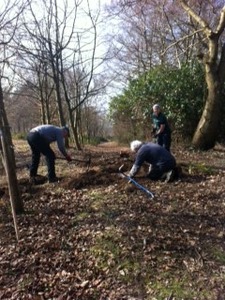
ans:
(155, 155)
(51, 134)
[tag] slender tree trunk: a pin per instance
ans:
(77, 142)
(43, 113)
(9, 159)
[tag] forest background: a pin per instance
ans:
(99, 70)
(60, 61)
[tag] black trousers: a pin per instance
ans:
(40, 146)
(157, 172)
(164, 140)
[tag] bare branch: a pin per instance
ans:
(197, 18)
(221, 25)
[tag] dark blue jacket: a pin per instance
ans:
(155, 155)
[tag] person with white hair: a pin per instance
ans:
(162, 162)
(161, 129)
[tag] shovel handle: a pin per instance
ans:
(136, 183)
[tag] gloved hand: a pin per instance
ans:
(154, 129)
(130, 181)
(68, 158)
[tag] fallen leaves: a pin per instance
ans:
(91, 237)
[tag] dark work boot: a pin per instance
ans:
(53, 180)
(33, 180)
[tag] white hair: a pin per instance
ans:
(155, 106)
(135, 145)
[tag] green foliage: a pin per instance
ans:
(20, 136)
(218, 254)
(179, 91)
(200, 168)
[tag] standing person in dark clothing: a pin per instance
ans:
(161, 129)
(162, 162)
(39, 139)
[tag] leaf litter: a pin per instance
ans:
(95, 236)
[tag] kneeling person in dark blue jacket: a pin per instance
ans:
(162, 162)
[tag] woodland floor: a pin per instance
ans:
(93, 235)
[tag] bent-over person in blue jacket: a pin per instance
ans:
(162, 162)
(39, 139)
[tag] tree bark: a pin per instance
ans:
(208, 128)
(9, 159)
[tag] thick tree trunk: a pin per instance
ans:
(214, 62)
(208, 127)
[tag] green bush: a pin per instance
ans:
(179, 91)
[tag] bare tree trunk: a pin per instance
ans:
(9, 159)
(3, 150)
(214, 62)
(75, 131)
(207, 130)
